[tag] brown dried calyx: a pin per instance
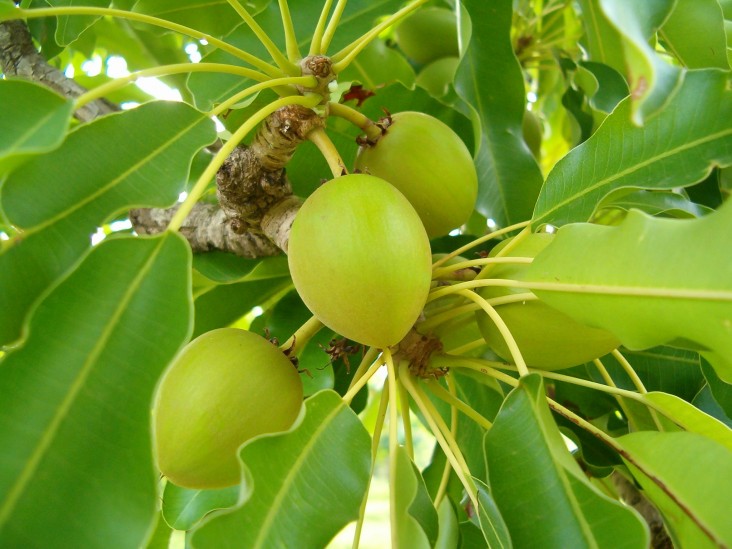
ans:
(417, 349)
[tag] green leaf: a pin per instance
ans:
(224, 268)
(76, 468)
(603, 41)
(652, 80)
(7, 9)
(34, 121)
(183, 508)
(448, 534)
(669, 203)
(679, 290)
(676, 148)
(721, 391)
(690, 418)
(692, 490)
(139, 157)
(210, 16)
(491, 522)
(694, 33)
(543, 495)
(490, 81)
(300, 487)
(70, 27)
(416, 517)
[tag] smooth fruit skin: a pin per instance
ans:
(360, 259)
(547, 338)
(428, 162)
(224, 388)
(429, 34)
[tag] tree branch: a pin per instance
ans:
(19, 57)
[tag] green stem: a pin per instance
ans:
(278, 84)
(366, 362)
(343, 58)
(503, 329)
(449, 269)
(164, 70)
(445, 479)
(406, 421)
(287, 66)
(217, 161)
(508, 248)
(476, 344)
(637, 383)
(433, 322)
(302, 336)
(609, 381)
(393, 445)
(373, 132)
(326, 147)
(315, 47)
(362, 381)
(378, 428)
(332, 26)
(150, 20)
(443, 435)
(293, 50)
(479, 241)
(440, 392)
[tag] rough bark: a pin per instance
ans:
(19, 57)
(634, 498)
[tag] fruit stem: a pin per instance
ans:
(324, 42)
(302, 335)
(440, 392)
(637, 383)
(433, 322)
(393, 445)
(293, 51)
(316, 47)
(609, 381)
(406, 420)
(449, 269)
(217, 161)
(273, 83)
(479, 241)
(505, 332)
(357, 385)
(526, 231)
(372, 130)
(117, 83)
(443, 435)
(476, 344)
(445, 479)
(326, 147)
(375, 440)
(343, 58)
(150, 20)
(287, 66)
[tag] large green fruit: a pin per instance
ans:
(429, 34)
(547, 338)
(438, 75)
(428, 162)
(226, 387)
(360, 259)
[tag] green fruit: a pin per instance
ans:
(438, 75)
(547, 338)
(532, 131)
(226, 387)
(360, 259)
(428, 162)
(428, 34)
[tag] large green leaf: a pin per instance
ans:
(139, 157)
(34, 121)
(721, 391)
(491, 522)
(602, 40)
(76, 467)
(490, 81)
(689, 478)
(543, 495)
(652, 80)
(70, 27)
(678, 290)
(694, 33)
(677, 147)
(416, 524)
(301, 487)
(183, 508)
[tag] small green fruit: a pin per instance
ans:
(224, 388)
(533, 133)
(360, 259)
(428, 34)
(547, 338)
(428, 162)
(438, 75)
